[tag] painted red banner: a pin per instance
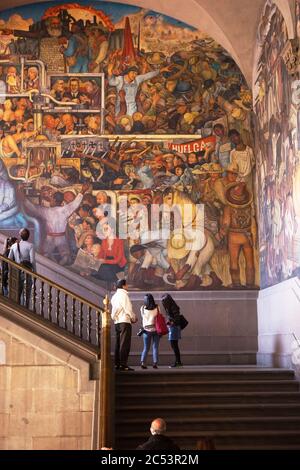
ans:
(198, 145)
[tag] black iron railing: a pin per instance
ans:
(51, 301)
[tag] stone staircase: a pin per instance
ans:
(241, 408)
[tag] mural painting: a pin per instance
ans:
(126, 142)
(278, 156)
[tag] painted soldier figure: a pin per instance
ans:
(238, 225)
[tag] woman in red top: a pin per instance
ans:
(111, 254)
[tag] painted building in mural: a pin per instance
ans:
(278, 157)
(126, 146)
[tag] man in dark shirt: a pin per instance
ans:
(158, 440)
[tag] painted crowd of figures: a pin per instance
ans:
(182, 112)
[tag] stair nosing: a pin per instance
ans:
(212, 406)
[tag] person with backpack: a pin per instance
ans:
(5, 270)
(149, 312)
(23, 253)
(123, 316)
(173, 314)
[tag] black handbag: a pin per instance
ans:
(140, 332)
(183, 322)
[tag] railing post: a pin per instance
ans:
(106, 397)
(14, 283)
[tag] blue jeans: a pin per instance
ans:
(147, 343)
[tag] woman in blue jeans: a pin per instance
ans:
(149, 311)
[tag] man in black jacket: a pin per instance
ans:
(158, 440)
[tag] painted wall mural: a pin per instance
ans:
(126, 143)
(278, 155)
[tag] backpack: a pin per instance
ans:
(160, 324)
(183, 322)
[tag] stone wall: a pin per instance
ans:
(46, 397)
(279, 325)
(222, 328)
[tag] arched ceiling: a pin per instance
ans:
(232, 23)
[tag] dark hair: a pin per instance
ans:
(9, 242)
(219, 126)
(85, 208)
(233, 132)
(130, 69)
(170, 306)
(182, 167)
(136, 248)
(24, 234)
(208, 83)
(149, 302)
(121, 283)
(58, 198)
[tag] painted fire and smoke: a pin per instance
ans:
(115, 121)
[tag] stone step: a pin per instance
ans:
(213, 358)
(207, 398)
(223, 439)
(226, 410)
(167, 375)
(202, 425)
(180, 387)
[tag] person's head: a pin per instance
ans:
(49, 121)
(168, 197)
(121, 284)
(9, 242)
(87, 224)
(24, 234)
(89, 240)
(19, 115)
(22, 104)
(54, 27)
(178, 161)
(205, 443)
(192, 158)
(84, 211)
(158, 426)
(146, 199)
(18, 171)
(169, 164)
(74, 85)
(131, 73)
(149, 302)
(32, 73)
(169, 303)
(96, 249)
(179, 170)
(67, 120)
(58, 198)
(219, 130)
(134, 201)
(59, 86)
(232, 172)
(101, 198)
(11, 70)
(69, 196)
(7, 105)
(137, 251)
(234, 136)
